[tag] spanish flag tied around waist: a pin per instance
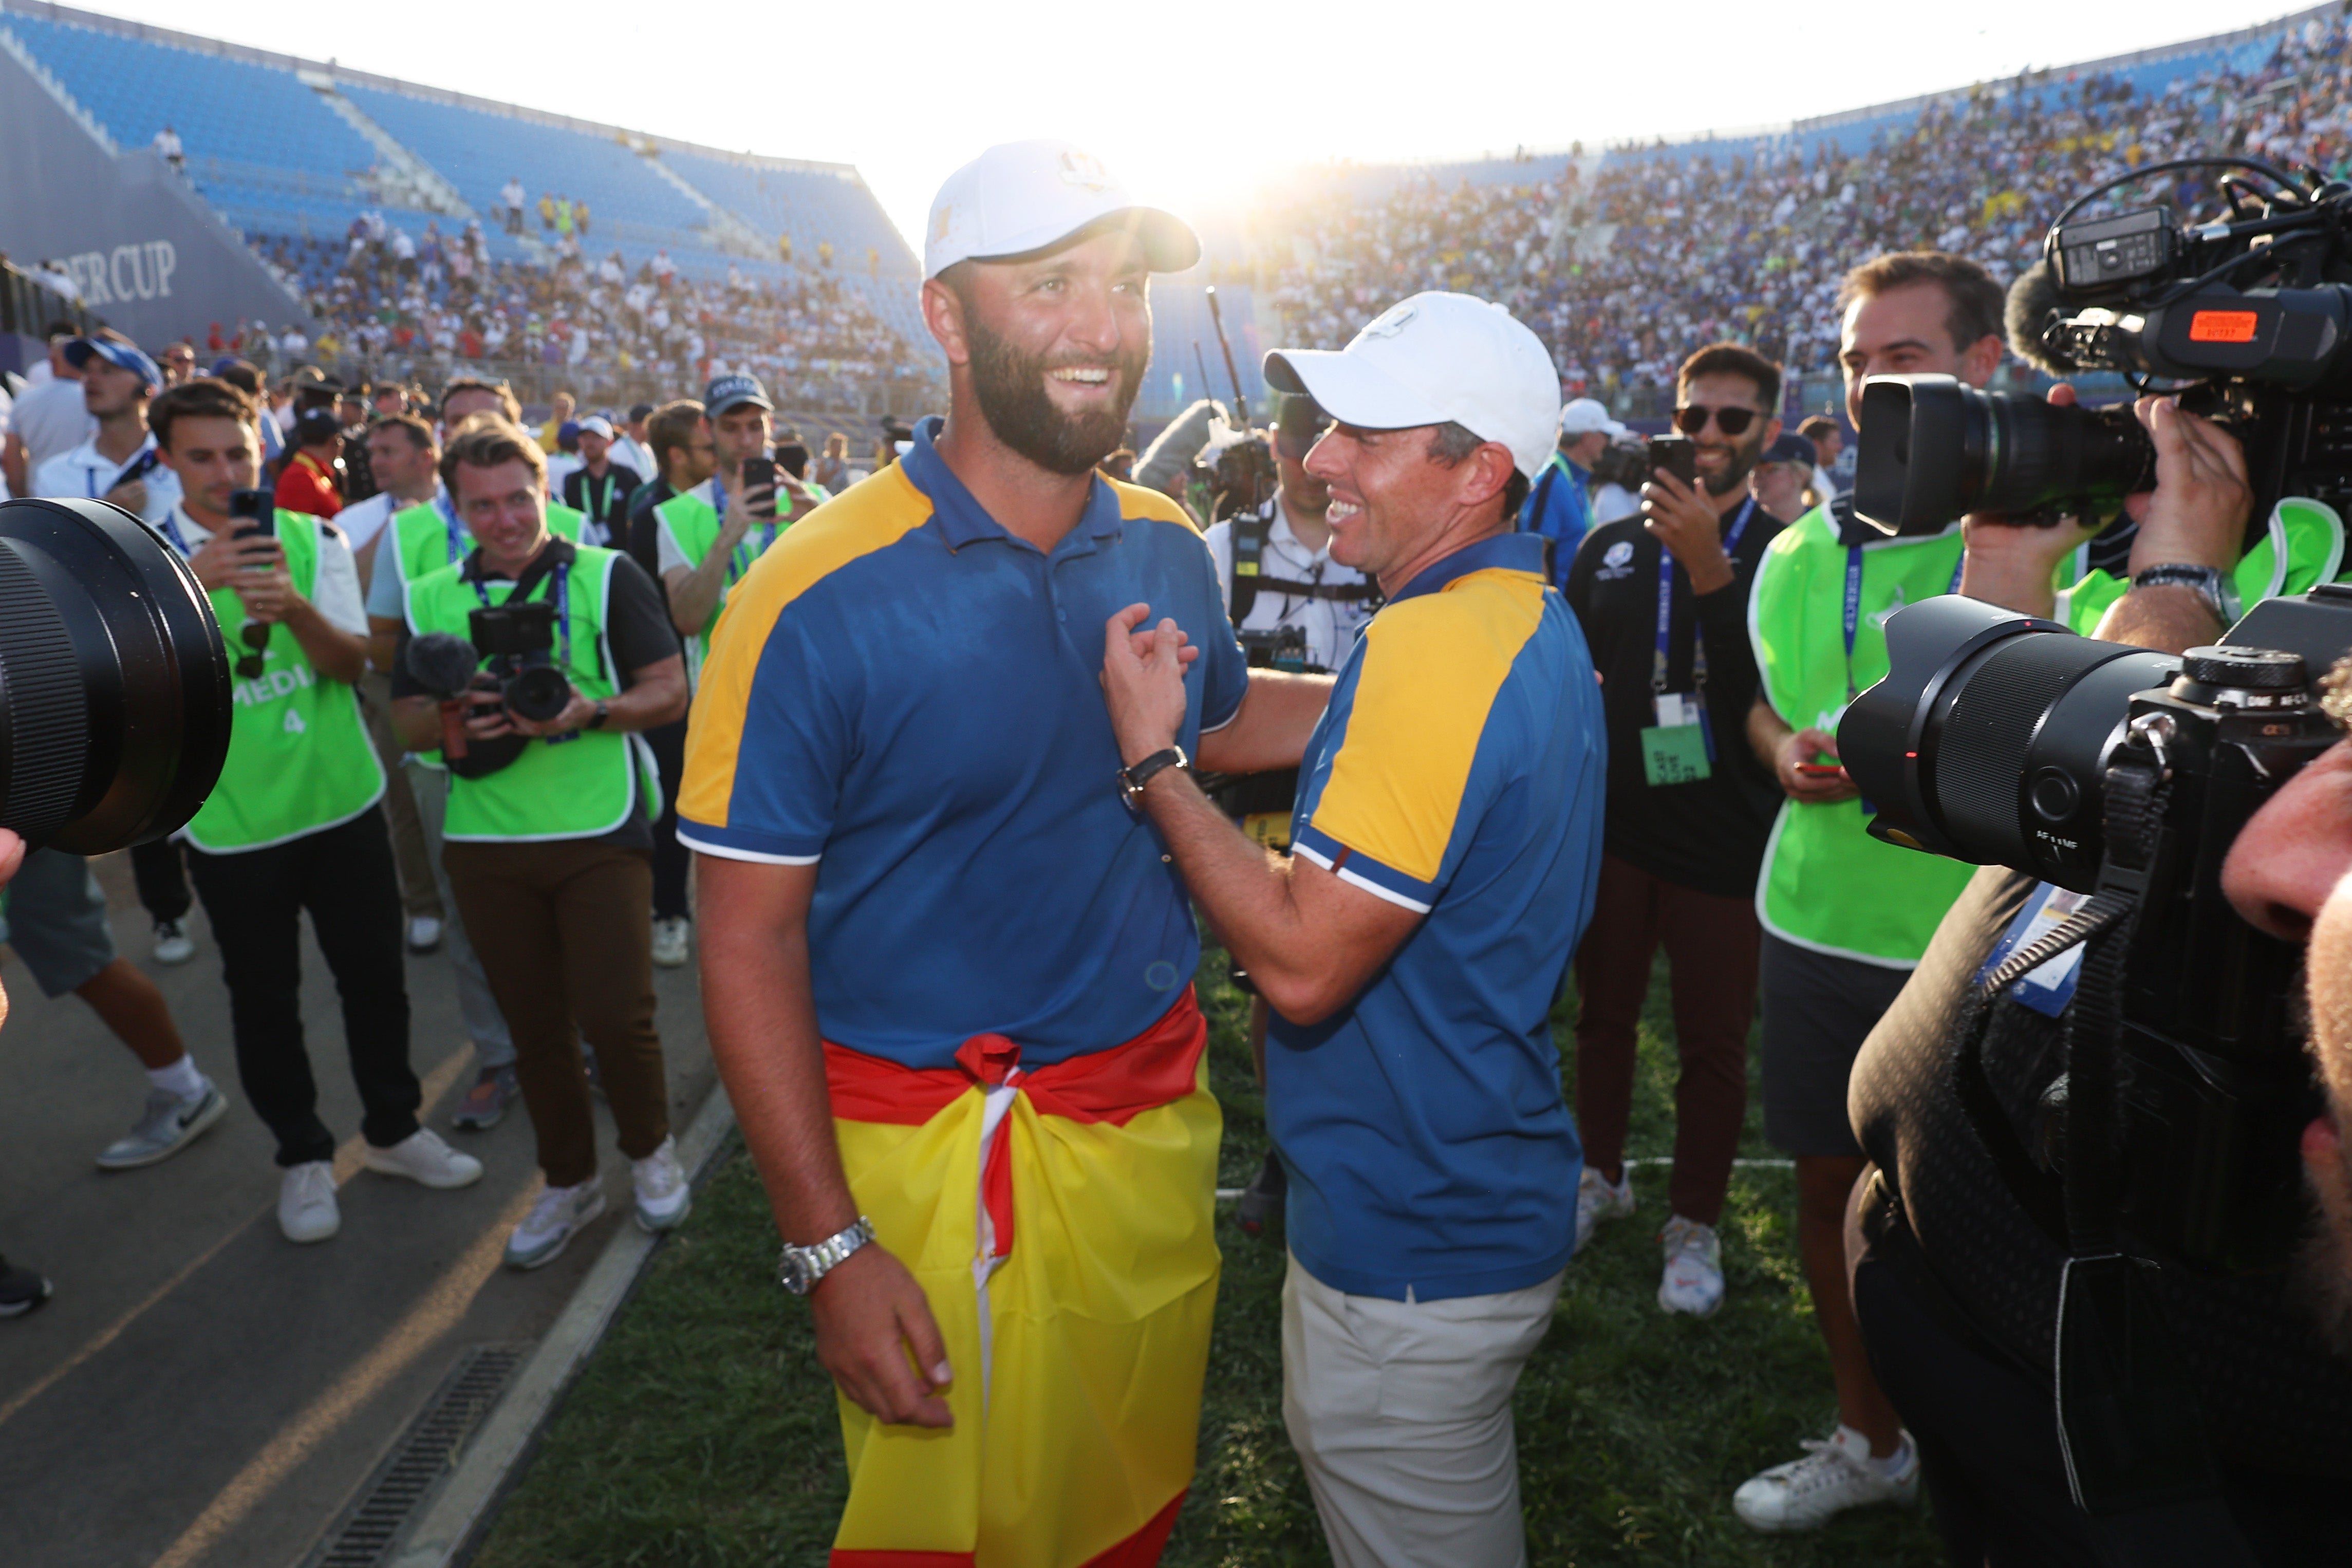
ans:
(1060, 1222)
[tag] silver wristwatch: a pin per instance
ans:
(800, 1267)
(2210, 584)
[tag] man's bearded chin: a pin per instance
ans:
(1010, 386)
(2323, 1267)
(1743, 463)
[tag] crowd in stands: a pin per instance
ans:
(390, 302)
(1617, 269)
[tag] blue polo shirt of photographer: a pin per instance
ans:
(1458, 772)
(909, 696)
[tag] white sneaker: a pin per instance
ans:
(663, 1192)
(1596, 1200)
(424, 934)
(423, 1158)
(1835, 1474)
(173, 943)
(670, 940)
(1694, 1277)
(560, 1214)
(306, 1202)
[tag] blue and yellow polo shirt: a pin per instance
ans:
(905, 694)
(1458, 772)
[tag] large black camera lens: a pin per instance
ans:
(114, 682)
(538, 692)
(1932, 450)
(1987, 741)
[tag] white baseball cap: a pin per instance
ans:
(1435, 359)
(1020, 197)
(1583, 415)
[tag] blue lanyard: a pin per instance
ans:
(179, 541)
(449, 515)
(562, 593)
(1666, 606)
(1852, 619)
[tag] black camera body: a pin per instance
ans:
(2000, 738)
(1244, 477)
(2247, 317)
(516, 645)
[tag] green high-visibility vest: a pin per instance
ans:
(430, 535)
(298, 754)
(2302, 547)
(692, 522)
(579, 786)
(1826, 884)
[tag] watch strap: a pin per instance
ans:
(817, 1261)
(1142, 772)
(2215, 585)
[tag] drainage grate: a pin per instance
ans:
(366, 1535)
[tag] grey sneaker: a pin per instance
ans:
(485, 1103)
(672, 940)
(560, 1214)
(169, 1125)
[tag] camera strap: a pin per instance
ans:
(2129, 1429)
(561, 593)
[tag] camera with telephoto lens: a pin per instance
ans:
(516, 644)
(2247, 316)
(2123, 775)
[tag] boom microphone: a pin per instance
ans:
(442, 664)
(2034, 300)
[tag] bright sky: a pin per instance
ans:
(1190, 105)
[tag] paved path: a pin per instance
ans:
(201, 1391)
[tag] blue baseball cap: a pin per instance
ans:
(733, 392)
(126, 356)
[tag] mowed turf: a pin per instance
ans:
(703, 1432)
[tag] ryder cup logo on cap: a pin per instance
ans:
(126, 356)
(734, 392)
(1436, 359)
(1022, 197)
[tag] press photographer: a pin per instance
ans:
(549, 843)
(2083, 1187)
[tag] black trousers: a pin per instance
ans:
(1987, 1438)
(344, 875)
(671, 858)
(162, 880)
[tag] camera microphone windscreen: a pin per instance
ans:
(2032, 301)
(442, 664)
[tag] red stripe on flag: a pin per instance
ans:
(1142, 1549)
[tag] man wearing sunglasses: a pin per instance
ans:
(292, 824)
(1663, 598)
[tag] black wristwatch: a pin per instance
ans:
(604, 711)
(1133, 780)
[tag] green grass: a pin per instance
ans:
(702, 1434)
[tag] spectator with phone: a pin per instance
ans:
(679, 438)
(1663, 598)
(292, 825)
(711, 535)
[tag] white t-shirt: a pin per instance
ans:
(50, 418)
(630, 453)
(86, 474)
(1612, 502)
(363, 519)
(1330, 624)
(335, 593)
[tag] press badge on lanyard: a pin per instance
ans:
(1679, 745)
(2048, 988)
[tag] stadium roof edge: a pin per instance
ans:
(173, 37)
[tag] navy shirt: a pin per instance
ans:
(907, 696)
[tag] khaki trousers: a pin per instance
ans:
(420, 892)
(1400, 1412)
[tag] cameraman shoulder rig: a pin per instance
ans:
(1250, 532)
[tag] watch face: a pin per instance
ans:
(794, 1272)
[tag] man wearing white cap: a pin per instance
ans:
(947, 966)
(1446, 835)
(600, 488)
(1560, 506)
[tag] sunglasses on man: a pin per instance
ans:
(1733, 421)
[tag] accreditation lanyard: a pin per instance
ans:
(1852, 619)
(1667, 607)
(179, 541)
(738, 560)
(455, 530)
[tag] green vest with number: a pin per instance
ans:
(582, 786)
(2302, 547)
(421, 541)
(693, 524)
(1826, 884)
(298, 756)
